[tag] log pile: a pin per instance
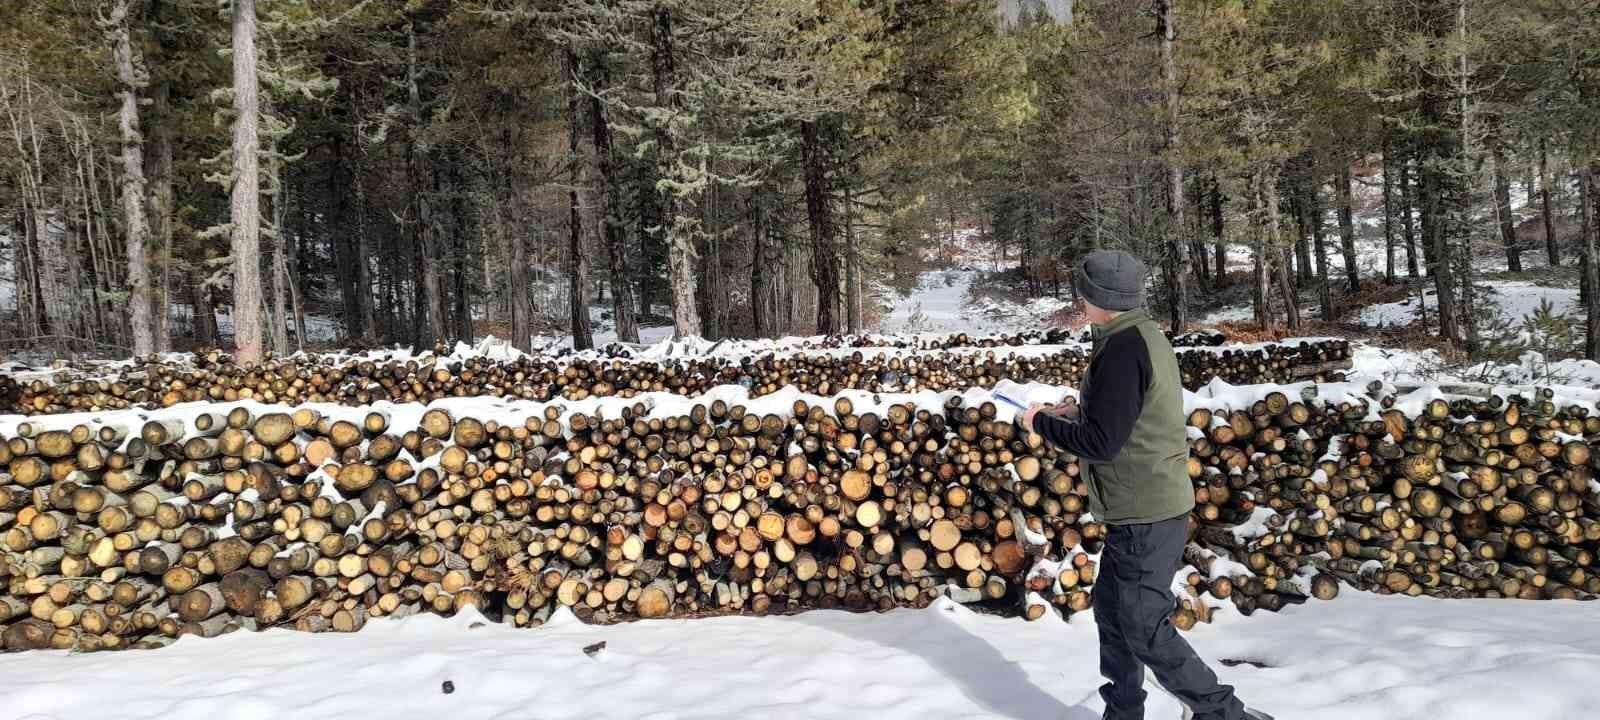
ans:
(213, 377)
(123, 535)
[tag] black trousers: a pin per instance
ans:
(1133, 606)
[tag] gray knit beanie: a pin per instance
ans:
(1110, 280)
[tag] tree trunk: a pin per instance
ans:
(578, 260)
(136, 225)
(1177, 244)
(1197, 232)
(245, 201)
(279, 315)
(1502, 211)
(607, 205)
(1439, 165)
(824, 256)
(1591, 255)
(1407, 219)
(852, 267)
(521, 306)
(161, 207)
(1552, 247)
(1388, 213)
(205, 315)
(1217, 231)
(346, 244)
(713, 295)
(675, 231)
(1347, 233)
(1261, 286)
(1585, 221)
(424, 172)
(1305, 270)
(1291, 305)
(1314, 212)
(766, 269)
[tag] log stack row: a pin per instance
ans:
(1467, 498)
(213, 377)
(124, 533)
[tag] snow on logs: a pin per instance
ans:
(114, 537)
(212, 377)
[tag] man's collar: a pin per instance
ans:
(1119, 323)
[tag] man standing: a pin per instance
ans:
(1129, 431)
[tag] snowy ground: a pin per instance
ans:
(1516, 300)
(1359, 657)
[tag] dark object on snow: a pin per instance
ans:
(1110, 280)
(1199, 338)
(593, 650)
(449, 687)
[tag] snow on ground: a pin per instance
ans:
(937, 305)
(605, 331)
(1242, 313)
(941, 304)
(1516, 300)
(319, 328)
(1359, 657)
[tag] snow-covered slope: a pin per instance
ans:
(1515, 299)
(1360, 657)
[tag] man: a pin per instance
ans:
(1129, 430)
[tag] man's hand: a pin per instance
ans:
(1066, 410)
(1027, 415)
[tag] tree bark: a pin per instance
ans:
(1502, 211)
(1347, 233)
(852, 268)
(766, 270)
(245, 201)
(1217, 231)
(824, 254)
(1591, 255)
(1552, 247)
(369, 320)
(578, 260)
(611, 225)
(136, 224)
(1177, 244)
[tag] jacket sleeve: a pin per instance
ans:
(1120, 376)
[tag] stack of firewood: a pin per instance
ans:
(130, 531)
(213, 377)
